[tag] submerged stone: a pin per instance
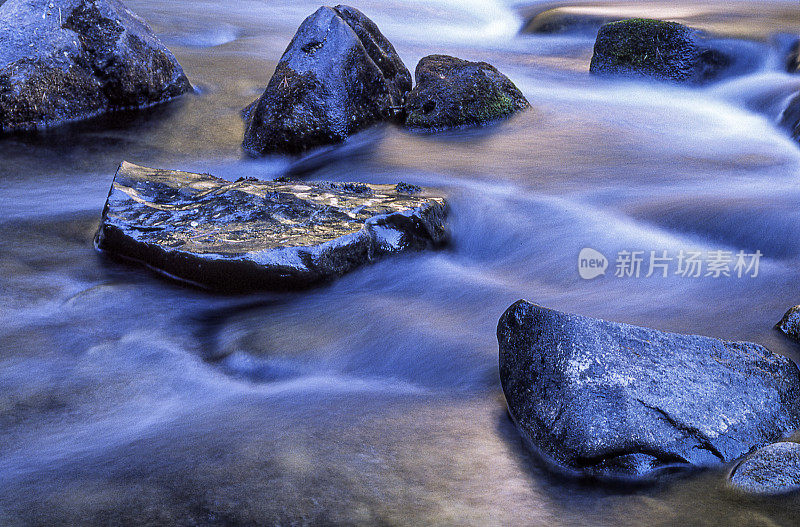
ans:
(774, 469)
(338, 76)
(790, 323)
(616, 400)
(249, 234)
(569, 19)
(666, 51)
(64, 60)
(453, 93)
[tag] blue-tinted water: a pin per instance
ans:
(128, 399)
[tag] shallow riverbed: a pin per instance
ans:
(125, 398)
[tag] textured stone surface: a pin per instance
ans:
(63, 60)
(790, 323)
(617, 400)
(658, 50)
(339, 75)
(774, 469)
(251, 234)
(452, 93)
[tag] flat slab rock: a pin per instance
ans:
(64, 60)
(620, 401)
(248, 234)
(774, 469)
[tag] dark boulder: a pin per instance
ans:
(339, 75)
(774, 469)
(250, 234)
(666, 51)
(63, 60)
(615, 400)
(453, 93)
(790, 323)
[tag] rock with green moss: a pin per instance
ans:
(453, 93)
(338, 76)
(63, 60)
(665, 51)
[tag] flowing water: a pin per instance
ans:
(128, 399)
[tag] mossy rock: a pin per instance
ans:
(454, 93)
(666, 51)
(615, 401)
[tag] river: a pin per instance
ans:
(129, 399)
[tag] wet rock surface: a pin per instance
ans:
(774, 469)
(249, 234)
(665, 51)
(453, 93)
(339, 75)
(790, 323)
(63, 60)
(614, 400)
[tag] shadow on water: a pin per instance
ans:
(704, 495)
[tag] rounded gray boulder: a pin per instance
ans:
(621, 401)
